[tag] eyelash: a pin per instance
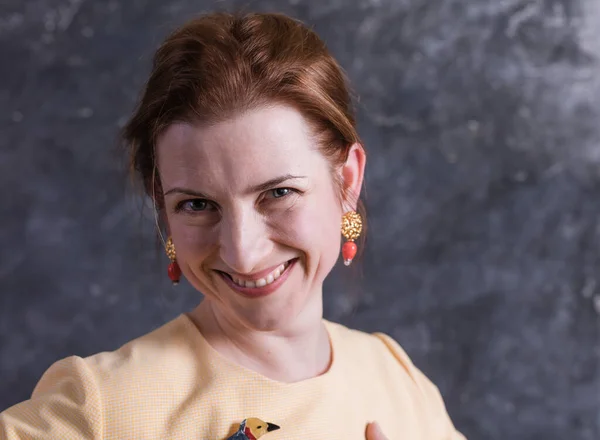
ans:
(180, 207)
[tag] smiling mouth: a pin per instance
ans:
(261, 282)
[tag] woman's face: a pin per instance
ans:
(252, 201)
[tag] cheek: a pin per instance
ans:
(191, 242)
(314, 229)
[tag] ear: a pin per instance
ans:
(353, 172)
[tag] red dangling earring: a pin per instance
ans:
(351, 229)
(173, 270)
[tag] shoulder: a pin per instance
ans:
(172, 345)
(382, 355)
(385, 352)
(66, 403)
(164, 362)
(378, 345)
(76, 397)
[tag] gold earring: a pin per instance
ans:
(173, 270)
(351, 229)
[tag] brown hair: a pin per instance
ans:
(222, 64)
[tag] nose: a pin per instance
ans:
(244, 243)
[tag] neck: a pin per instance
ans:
(297, 352)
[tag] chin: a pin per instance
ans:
(293, 304)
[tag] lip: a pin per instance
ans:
(257, 275)
(258, 292)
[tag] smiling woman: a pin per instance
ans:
(246, 142)
(260, 185)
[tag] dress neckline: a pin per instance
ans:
(222, 365)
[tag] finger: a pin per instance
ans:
(374, 432)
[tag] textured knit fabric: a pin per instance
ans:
(171, 384)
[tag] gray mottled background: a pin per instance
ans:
(480, 118)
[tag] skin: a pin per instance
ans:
(374, 432)
(220, 221)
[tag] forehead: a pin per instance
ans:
(254, 146)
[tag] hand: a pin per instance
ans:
(374, 432)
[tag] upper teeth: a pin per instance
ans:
(262, 281)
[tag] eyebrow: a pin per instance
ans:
(256, 188)
(274, 182)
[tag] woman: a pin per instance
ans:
(246, 142)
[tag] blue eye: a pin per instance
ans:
(197, 205)
(194, 205)
(280, 192)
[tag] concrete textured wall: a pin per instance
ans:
(480, 118)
